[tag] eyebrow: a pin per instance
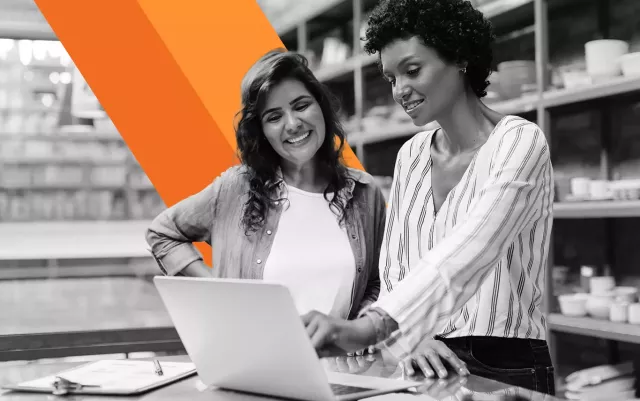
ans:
(404, 60)
(291, 102)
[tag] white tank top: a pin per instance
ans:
(312, 256)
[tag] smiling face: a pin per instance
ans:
(293, 122)
(423, 83)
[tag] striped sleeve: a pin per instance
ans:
(393, 213)
(453, 271)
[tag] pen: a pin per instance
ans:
(156, 363)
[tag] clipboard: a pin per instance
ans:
(111, 377)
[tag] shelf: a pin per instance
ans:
(63, 161)
(333, 71)
(389, 132)
(595, 328)
(313, 9)
(496, 8)
(596, 209)
(67, 187)
(88, 136)
(519, 105)
(399, 130)
(617, 86)
(73, 240)
(91, 114)
(498, 11)
(142, 187)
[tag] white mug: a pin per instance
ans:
(599, 189)
(619, 312)
(634, 313)
(602, 285)
(581, 187)
(602, 58)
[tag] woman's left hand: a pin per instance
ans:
(429, 360)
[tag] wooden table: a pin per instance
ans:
(374, 365)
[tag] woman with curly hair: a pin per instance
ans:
(291, 212)
(466, 243)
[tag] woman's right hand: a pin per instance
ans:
(370, 350)
(352, 364)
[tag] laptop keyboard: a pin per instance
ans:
(339, 389)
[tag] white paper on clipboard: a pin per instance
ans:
(114, 376)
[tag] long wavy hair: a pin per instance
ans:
(256, 153)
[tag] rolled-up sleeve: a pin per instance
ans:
(172, 233)
(517, 190)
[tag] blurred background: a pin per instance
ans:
(66, 176)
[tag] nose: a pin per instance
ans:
(401, 91)
(292, 123)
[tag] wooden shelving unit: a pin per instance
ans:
(63, 172)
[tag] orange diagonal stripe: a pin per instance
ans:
(168, 74)
(215, 44)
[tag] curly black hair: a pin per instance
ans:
(453, 28)
(257, 154)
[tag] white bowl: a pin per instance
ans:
(575, 79)
(599, 305)
(625, 190)
(573, 304)
(626, 294)
(630, 64)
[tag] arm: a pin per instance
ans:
(373, 285)
(519, 188)
(389, 216)
(172, 233)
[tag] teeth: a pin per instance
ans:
(413, 105)
(300, 138)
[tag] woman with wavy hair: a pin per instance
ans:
(291, 212)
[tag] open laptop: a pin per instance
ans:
(247, 336)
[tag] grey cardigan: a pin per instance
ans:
(213, 216)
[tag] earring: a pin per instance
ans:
(463, 70)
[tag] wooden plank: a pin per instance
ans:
(605, 329)
(73, 240)
(596, 209)
(616, 86)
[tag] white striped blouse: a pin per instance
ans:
(477, 266)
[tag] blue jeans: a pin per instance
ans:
(513, 361)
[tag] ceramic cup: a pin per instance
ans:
(602, 285)
(619, 312)
(581, 187)
(599, 189)
(634, 313)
